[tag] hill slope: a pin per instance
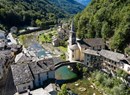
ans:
(108, 19)
(32, 12)
(70, 6)
(84, 2)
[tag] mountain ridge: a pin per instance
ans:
(107, 19)
(43, 13)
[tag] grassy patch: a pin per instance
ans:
(47, 37)
(84, 84)
(62, 49)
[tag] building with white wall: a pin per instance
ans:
(22, 76)
(107, 60)
(33, 74)
(77, 46)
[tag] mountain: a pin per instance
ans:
(84, 2)
(109, 19)
(43, 13)
(70, 6)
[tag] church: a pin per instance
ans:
(76, 47)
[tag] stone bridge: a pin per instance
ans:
(65, 63)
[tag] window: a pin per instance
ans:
(29, 87)
(24, 87)
(128, 69)
(73, 56)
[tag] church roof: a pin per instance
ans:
(73, 47)
(94, 41)
(83, 44)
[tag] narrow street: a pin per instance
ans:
(9, 88)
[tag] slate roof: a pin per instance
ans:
(21, 74)
(6, 57)
(91, 52)
(2, 44)
(56, 60)
(49, 63)
(2, 60)
(83, 44)
(37, 68)
(94, 41)
(5, 53)
(112, 55)
(21, 57)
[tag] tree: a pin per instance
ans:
(63, 90)
(109, 83)
(127, 51)
(99, 77)
(121, 73)
(105, 30)
(38, 22)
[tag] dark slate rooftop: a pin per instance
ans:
(37, 68)
(21, 74)
(94, 41)
(22, 58)
(57, 60)
(2, 44)
(112, 55)
(2, 60)
(5, 53)
(91, 52)
(83, 44)
(49, 63)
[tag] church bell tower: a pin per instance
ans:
(72, 35)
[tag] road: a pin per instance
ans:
(9, 88)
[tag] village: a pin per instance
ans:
(32, 63)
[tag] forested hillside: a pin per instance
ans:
(109, 19)
(70, 6)
(32, 12)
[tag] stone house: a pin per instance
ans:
(92, 58)
(108, 60)
(113, 61)
(62, 33)
(33, 74)
(39, 72)
(22, 76)
(55, 41)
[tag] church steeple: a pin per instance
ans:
(72, 35)
(72, 25)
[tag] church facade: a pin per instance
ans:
(76, 46)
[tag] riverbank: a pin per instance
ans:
(83, 87)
